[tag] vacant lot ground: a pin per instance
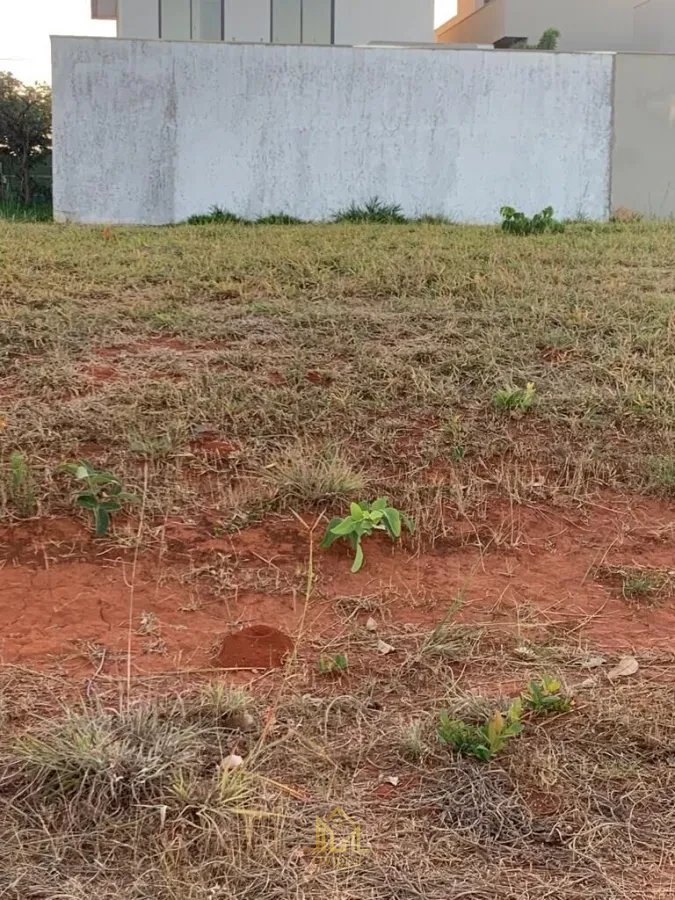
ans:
(515, 396)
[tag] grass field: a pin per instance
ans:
(387, 344)
(514, 395)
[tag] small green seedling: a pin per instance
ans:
(102, 492)
(515, 222)
(21, 485)
(639, 584)
(365, 518)
(333, 665)
(514, 398)
(543, 697)
(482, 741)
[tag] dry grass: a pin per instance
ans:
(387, 342)
(639, 584)
(244, 371)
(137, 803)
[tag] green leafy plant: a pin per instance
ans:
(374, 211)
(21, 485)
(512, 398)
(482, 741)
(364, 519)
(515, 222)
(333, 665)
(102, 492)
(544, 697)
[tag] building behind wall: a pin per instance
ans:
(272, 21)
(654, 26)
(583, 24)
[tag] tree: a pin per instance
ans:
(549, 39)
(25, 126)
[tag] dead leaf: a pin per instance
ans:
(384, 648)
(626, 666)
(371, 624)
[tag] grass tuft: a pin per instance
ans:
(19, 487)
(216, 216)
(375, 211)
(513, 398)
(306, 474)
(279, 219)
(639, 583)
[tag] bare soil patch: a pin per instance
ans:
(64, 598)
(256, 647)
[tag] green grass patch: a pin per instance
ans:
(17, 212)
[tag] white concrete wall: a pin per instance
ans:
(153, 132)
(114, 130)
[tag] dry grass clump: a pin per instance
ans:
(136, 803)
(307, 475)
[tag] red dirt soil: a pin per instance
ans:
(256, 647)
(64, 598)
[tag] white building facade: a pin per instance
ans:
(621, 25)
(272, 21)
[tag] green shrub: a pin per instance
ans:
(515, 222)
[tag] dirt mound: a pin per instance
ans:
(256, 647)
